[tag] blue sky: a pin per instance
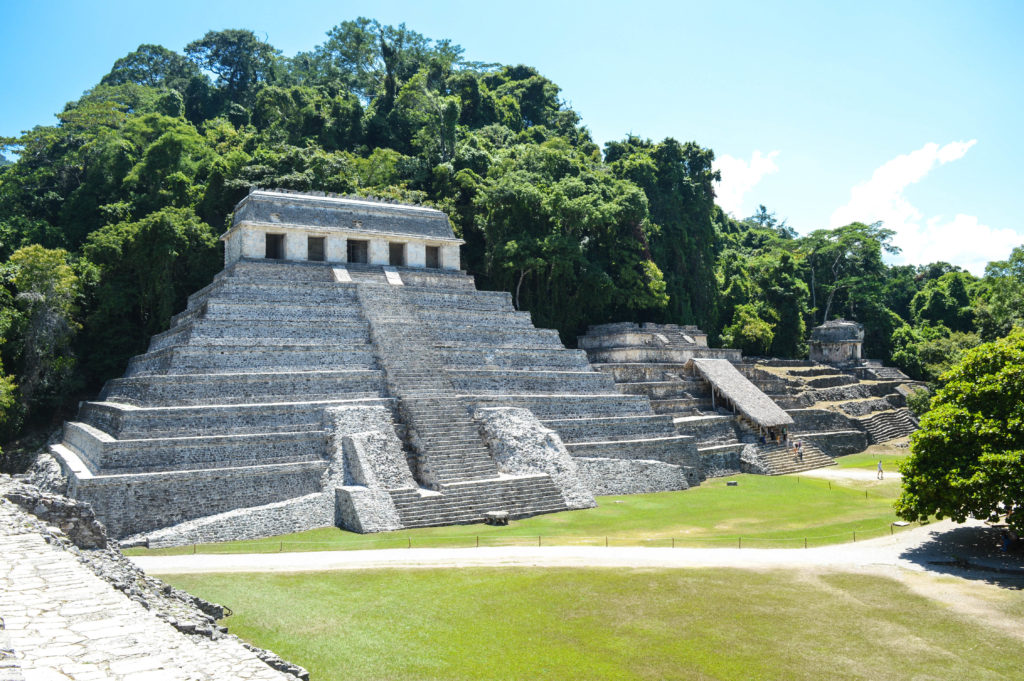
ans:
(906, 112)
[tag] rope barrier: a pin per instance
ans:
(470, 541)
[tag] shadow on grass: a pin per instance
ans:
(971, 552)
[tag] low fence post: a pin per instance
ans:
(538, 540)
(739, 542)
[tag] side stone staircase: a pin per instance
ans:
(779, 459)
(467, 502)
(889, 425)
(447, 443)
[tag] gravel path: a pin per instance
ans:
(882, 551)
(832, 473)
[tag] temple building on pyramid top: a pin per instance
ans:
(333, 229)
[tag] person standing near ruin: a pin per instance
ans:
(880, 474)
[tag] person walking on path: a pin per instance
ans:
(880, 474)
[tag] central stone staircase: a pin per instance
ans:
(447, 443)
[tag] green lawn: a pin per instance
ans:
(889, 454)
(760, 512)
(594, 624)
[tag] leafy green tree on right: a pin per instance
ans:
(967, 459)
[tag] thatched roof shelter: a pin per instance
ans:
(744, 396)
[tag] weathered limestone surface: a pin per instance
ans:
(723, 460)
(64, 621)
(362, 509)
(74, 518)
(371, 451)
(522, 445)
(623, 476)
(750, 461)
(284, 517)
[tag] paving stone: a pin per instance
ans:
(73, 626)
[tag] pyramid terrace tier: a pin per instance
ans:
(245, 358)
(128, 422)
(609, 428)
(477, 382)
(101, 452)
(660, 355)
(244, 388)
(524, 359)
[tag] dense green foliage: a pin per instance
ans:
(968, 457)
(109, 218)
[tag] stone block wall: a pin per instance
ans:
(625, 476)
(285, 517)
(131, 504)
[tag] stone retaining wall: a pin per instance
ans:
(623, 476)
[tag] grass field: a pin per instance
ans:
(592, 624)
(889, 452)
(759, 512)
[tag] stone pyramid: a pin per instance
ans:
(328, 376)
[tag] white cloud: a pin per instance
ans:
(739, 177)
(961, 240)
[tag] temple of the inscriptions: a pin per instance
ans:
(343, 370)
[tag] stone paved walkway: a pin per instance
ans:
(63, 622)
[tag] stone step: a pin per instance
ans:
(467, 502)
(781, 459)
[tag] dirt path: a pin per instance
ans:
(881, 551)
(859, 474)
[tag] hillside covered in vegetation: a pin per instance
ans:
(110, 218)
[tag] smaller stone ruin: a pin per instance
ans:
(837, 342)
